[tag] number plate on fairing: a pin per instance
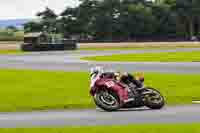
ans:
(110, 84)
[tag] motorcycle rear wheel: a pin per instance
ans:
(107, 100)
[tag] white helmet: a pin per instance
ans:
(96, 70)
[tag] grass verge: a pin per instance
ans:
(193, 56)
(145, 47)
(17, 51)
(153, 128)
(27, 90)
(11, 51)
(125, 48)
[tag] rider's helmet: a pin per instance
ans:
(96, 70)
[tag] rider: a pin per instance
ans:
(130, 79)
(125, 78)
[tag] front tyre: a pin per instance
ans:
(107, 100)
(154, 99)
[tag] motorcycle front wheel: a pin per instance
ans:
(154, 99)
(107, 100)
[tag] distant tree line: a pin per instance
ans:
(11, 33)
(123, 20)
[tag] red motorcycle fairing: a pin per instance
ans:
(106, 83)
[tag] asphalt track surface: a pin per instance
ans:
(179, 114)
(70, 61)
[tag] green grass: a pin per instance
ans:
(153, 128)
(139, 47)
(193, 56)
(26, 90)
(18, 51)
(11, 52)
(124, 48)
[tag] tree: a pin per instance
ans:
(165, 21)
(48, 19)
(70, 23)
(79, 20)
(47, 14)
(12, 28)
(32, 27)
(138, 20)
(187, 11)
(124, 19)
(106, 22)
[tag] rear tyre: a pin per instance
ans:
(107, 100)
(154, 100)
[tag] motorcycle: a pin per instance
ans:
(110, 94)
